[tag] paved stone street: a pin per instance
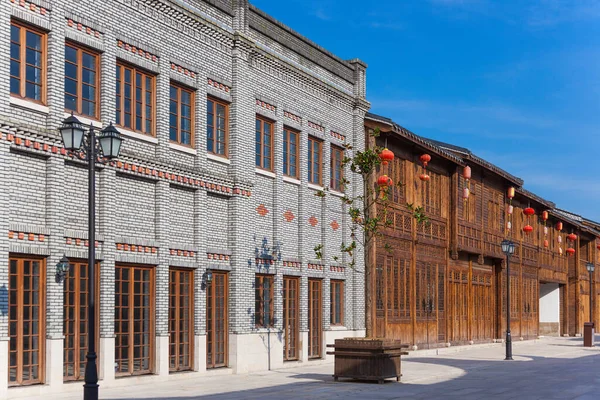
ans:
(549, 368)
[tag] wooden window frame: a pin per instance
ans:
(23, 62)
(259, 295)
(190, 338)
(212, 298)
(296, 154)
(264, 121)
(216, 102)
(120, 109)
(310, 166)
(192, 92)
(41, 321)
(337, 286)
(291, 352)
(80, 50)
(78, 264)
(336, 153)
(131, 333)
(315, 350)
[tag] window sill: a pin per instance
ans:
(315, 187)
(291, 180)
(30, 105)
(183, 149)
(264, 172)
(85, 120)
(337, 328)
(136, 135)
(210, 156)
(336, 193)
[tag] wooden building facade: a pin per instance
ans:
(444, 282)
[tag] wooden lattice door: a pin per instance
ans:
(291, 317)
(458, 287)
(483, 306)
(26, 303)
(134, 320)
(75, 325)
(315, 318)
(181, 319)
(530, 307)
(216, 321)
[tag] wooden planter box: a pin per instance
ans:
(367, 359)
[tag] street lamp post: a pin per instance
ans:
(508, 248)
(107, 144)
(590, 267)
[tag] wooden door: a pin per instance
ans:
(291, 317)
(529, 307)
(216, 321)
(458, 287)
(26, 319)
(134, 320)
(181, 319)
(483, 306)
(75, 320)
(315, 318)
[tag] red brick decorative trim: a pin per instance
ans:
(217, 256)
(267, 106)
(182, 70)
(334, 225)
(289, 216)
(142, 53)
(79, 242)
(80, 27)
(316, 267)
(293, 117)
(127, 166)
(136, 248)
(182, 253)
(337, 136)
(218, 85)
(313, 221)
(291, 264)
(30, 6)
(32, 237)
(264, 261)
(337, 269)
(262, 210)
(315, 126)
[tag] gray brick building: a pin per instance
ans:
(192, 86)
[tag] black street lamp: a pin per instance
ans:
(107, 144)
(590, 267)
(508, 248)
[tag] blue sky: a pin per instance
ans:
(515, 81)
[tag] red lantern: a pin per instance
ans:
(545, 215)
(559, 226)
(467, 172)
(425, 158)
(572, 237)
(570, 251)
(384, 181)
(529, 211)
(546, 244)
(528, 229)
(386, 156)
(511, 192)
(424, 177)
(598, 246)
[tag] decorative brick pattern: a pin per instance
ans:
(315, 267)
(31, 237)
(82, 28)
(338, 269)
(291, 264)
(334, 225)
(313, 221)
(218, 85)
(79, 242)
(315, 126)
(31, 6)
(216, 256)
(337, 136)
(266, 105)
(182, 253)
(289, 216)
(262, 210)
(137, 51)
(292, 116)
(263, 261)
(136, 248)
(182, 70)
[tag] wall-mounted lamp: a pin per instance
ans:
(208, 275)
(62, 268)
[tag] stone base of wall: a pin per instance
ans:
(549, 329)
